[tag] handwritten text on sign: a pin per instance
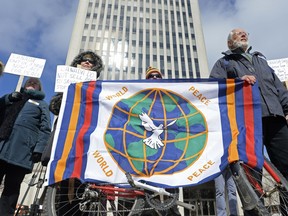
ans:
(280, 66)
(25, 65)
(66, 75)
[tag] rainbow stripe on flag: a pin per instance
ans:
(185, 130)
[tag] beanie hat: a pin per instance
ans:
(98, 65)
(1, 68)
(152, 70)
(34, 80)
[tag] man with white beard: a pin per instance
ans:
(239, 63)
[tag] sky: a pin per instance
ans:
(40, 29)
(43, 29)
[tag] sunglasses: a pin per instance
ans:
(154, 76)
(91, 61)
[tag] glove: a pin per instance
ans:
(36, 157)
(15, 96)
(55, 103)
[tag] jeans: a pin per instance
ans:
(222, 182)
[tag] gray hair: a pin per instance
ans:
(230, 36)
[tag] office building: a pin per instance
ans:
(131, 35)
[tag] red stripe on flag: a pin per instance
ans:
(249, 124)
(79, 152)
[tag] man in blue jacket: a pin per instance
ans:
(239, 63)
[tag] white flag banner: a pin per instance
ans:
(168, 132)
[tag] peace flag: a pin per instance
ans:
(167, 133)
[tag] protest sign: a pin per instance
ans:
(280, 66)
(25, 65)
(66, 75)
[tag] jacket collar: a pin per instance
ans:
(240, 51)
(33, 94)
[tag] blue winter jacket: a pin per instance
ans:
(274, 95)
(30, 132)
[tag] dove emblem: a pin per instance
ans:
(154, 141)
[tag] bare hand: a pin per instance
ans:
(249, 78)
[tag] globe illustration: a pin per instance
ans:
(155, 132)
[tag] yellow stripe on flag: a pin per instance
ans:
(232, 151)
(61, 165)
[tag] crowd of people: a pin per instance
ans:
(25, 123)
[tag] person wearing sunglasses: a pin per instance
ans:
(153, 73)
(87, 60)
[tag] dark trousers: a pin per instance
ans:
(275, 138)
(14, 176)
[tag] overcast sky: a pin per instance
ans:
(265, 20)
(42, 29)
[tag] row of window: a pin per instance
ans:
(174, 24)
(148, 19)
(142, 65)
(140, 3)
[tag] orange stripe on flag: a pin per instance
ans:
(61, 164)
(232, 151)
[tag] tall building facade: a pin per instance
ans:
(131, 35)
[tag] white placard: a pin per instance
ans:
(280, 66)
(25, 65)
(66, 75)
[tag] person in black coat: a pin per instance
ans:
(24, 132)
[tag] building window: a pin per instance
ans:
(84, 38)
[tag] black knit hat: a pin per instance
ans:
(34, 79)
(98, 65)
